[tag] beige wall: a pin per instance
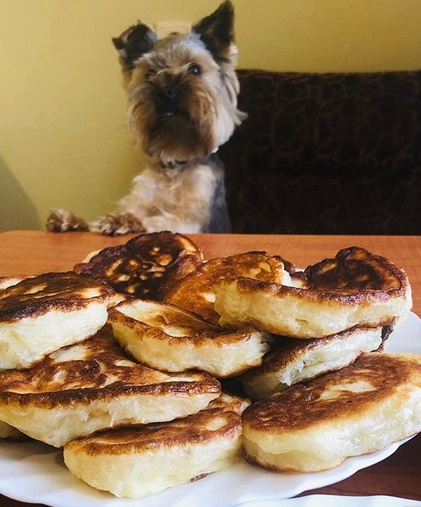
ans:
(63, 135)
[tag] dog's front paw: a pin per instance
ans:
(62, 220)
(117, 224)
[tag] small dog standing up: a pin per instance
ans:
(182, 105)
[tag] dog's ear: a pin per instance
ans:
(217, 31)
(133, 43)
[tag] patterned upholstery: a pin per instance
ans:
(326, 153)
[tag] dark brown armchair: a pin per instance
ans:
(326, 153)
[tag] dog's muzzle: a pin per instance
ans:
(168, 102)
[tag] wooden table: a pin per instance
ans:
(34, 252)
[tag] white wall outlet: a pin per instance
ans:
(164, 28)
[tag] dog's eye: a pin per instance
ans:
(194, 69)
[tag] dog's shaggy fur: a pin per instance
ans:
(182, 105)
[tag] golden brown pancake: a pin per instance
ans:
(140, 460)
(145, 265)
(291, 360)
(41, 314)
(355, 269)
(355, 288)
(92, 385)
(359, 409)
(194, 292)
(168, 338)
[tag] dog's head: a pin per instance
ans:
(182, 89)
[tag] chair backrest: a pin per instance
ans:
(326, 154)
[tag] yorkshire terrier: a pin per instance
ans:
(182, 105)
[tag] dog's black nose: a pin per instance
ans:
(170, 92)
(167, 100)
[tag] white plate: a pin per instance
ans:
(335, 500)
(35, 473)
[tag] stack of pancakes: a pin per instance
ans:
(121, 362)
(325, 391)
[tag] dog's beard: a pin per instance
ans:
(173, 131)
